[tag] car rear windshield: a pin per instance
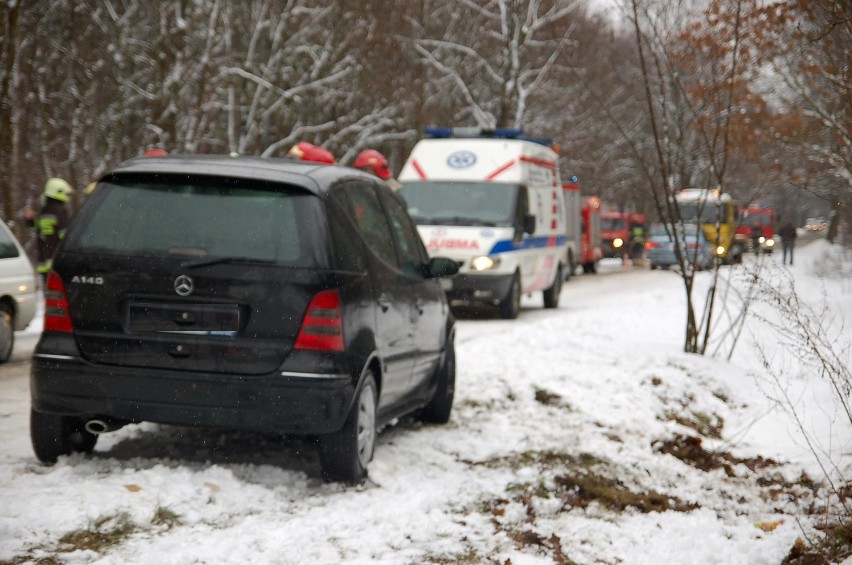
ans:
(202, 218)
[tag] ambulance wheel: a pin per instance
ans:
(551, 295)
(7, 332)
(510, 307)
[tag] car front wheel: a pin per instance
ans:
(345, 454)
(439, 408)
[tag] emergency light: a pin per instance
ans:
(483, 133)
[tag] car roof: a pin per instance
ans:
(315, 177)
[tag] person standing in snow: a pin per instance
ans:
(788, 240)
(51, 221)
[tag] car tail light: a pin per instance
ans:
(651, 245)
(322, 326)
(57, 316)
(692, 246)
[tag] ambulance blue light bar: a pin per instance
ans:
(507, 133)
(473, 132)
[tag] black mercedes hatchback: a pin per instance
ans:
(246, 293)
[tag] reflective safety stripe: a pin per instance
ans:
(44, 267)
(528, 243)
(47, 224)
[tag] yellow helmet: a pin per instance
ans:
(57, 189)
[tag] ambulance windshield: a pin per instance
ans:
(451, 203)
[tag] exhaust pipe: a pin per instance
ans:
(97, 427)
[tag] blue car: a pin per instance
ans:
(661, 250)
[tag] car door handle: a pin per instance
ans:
(384, 302)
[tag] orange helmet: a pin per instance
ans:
(309, 152)
(374, 162)
(156, 152)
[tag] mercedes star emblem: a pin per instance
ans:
(183, 285)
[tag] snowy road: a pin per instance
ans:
(546, 405)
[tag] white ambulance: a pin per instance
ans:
(493, 201)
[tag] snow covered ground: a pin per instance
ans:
(562, 448)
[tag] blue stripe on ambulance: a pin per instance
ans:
(507, 245)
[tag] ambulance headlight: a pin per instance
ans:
(484, 262)
(617, 242)
(770, 242)
(720, 250)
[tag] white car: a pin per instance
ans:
(18, 290)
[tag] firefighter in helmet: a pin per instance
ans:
(375, 163)
(51, 221)
(305, 151)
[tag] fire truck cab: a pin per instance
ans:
(493, 201)
(756, 220)
(616, 234)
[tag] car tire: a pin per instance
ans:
(551, 295)
(7, 332)
(345, 454)
(53, 435)
(510, 307)
(439, 408)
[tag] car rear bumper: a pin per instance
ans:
(295, 403)
(479, 289)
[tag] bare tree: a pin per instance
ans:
(497, 69)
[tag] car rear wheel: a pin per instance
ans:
(345, 454)
(510, 307)
(7, 332)
(439, 408)
(53, 435)
(551, 295)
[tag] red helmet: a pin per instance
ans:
(374, 162)
(156, 152)
(310, 152)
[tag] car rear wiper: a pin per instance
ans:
(231, 260)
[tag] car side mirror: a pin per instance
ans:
(529, 223)
(441, 267)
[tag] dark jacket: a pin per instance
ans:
(49, 226)
(787, 233)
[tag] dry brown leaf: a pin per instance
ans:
(133, 488)
(212, 486)
(769, 526)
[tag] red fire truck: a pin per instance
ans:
(616, 226)
(590, 238)
(756, 226)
